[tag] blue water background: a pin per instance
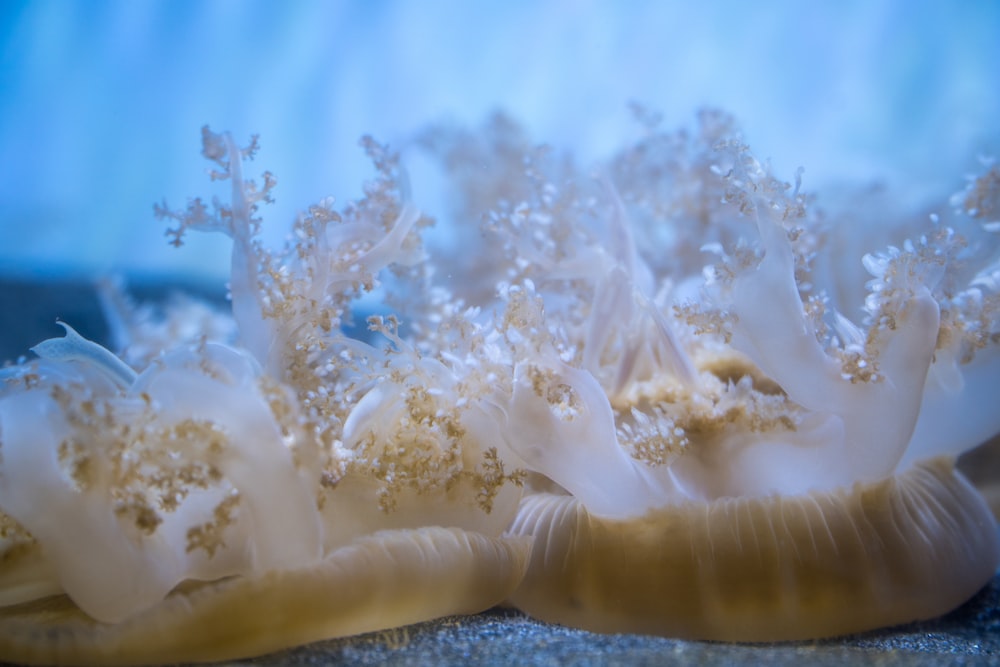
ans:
(101, 102)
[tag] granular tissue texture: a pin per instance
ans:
(662, 394)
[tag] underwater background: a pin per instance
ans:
(101, 102)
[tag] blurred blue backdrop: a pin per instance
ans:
(101, 102)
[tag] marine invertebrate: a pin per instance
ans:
(737, 455)
(715, 439)
(228, 500)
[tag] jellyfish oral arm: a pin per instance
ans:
(955, 419)
(81, 538)
(74, 347)
(879, 415)
(570, 437)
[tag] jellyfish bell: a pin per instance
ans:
(774, 568)
(382, 580)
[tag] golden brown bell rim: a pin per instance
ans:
(380, 581)
(907, 548)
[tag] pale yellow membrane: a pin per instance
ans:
(384, 580)
(766, 569)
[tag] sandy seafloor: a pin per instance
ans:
(969, 635)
